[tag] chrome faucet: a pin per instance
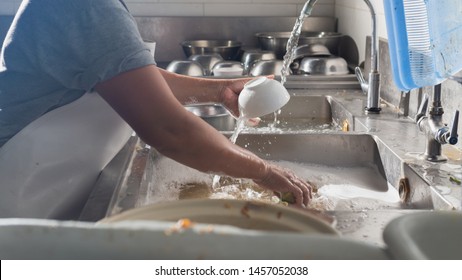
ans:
(436, 132)
(371, 88)
(306, 10)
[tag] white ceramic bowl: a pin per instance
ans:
(262, 96)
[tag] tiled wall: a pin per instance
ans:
(209, 7)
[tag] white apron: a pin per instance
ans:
(47, 170)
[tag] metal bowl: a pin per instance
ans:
(215, 115)
(251, 56)
(228, 68)
(277, 41)
(186, 67)
(266, 67)
(207, 61)
(311, 50)
(331, 65)
(228, 49)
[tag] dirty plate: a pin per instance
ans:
(239, 213)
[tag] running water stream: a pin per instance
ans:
(292, 43)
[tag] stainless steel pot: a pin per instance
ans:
(251, 56)
(277, 41)
(186, 67)
(214, 114)
(331, 65)
(266, 67)
(228, 68)
(228, 49)
(207, 61)
(311, 50)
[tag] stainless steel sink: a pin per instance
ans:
(354, 170)
(302, 113)
(353, 165)
(330, 149)
(311, 140)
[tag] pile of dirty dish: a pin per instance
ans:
(224, 58)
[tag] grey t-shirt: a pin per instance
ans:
(56, 50)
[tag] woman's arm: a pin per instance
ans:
(144, 99)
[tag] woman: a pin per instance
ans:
(56, 55)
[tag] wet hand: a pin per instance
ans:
(230, 93)
(285, 181)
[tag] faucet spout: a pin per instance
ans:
(371, 87)
(308, 7)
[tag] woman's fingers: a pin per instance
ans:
(292, 189)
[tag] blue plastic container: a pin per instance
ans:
(425, 41)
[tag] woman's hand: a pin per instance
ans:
(285, 181)
(229, 94)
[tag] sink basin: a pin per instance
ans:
(347, 170)
(302, 113)
(305, 113)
